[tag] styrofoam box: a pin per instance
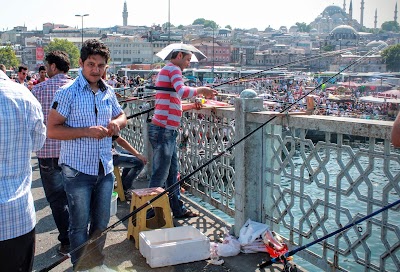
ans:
(170, 246)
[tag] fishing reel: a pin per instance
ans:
(144, 106)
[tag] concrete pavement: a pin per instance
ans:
(120, 252)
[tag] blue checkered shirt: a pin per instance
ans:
(22, 131)
(83, 108)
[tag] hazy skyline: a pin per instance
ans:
(251, 14)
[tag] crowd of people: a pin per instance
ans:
(73, 126)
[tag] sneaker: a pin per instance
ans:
(63, 249)
(101, 268)
(187, 214)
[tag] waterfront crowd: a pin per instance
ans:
(73, 125)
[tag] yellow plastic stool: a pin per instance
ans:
(162, 210)
(120, 188)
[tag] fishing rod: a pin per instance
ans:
(284, 256)
(239, 78)
(179, 182)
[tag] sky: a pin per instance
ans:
(238, 14)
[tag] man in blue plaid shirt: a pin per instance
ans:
(22, 131)
(85, 115)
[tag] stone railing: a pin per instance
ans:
(302, 188)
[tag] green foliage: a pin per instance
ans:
(391, 56)
(391, 26)
(205, 23)
(303, 27)
(228, 27)
(8, 57)
(166, 25)
(199, 21)
(63, 45)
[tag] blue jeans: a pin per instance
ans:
(165, 165)
(89, 200)
(53, 186)
(132, 167)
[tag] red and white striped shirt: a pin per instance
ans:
(168, 107)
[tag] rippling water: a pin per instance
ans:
(364, 184)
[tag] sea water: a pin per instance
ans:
(377, 177)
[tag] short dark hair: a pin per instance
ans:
(60, 59)
(22, 67)
(94, 47)
(175, 54)
(42, 68)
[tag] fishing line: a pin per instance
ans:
(333, 53)
(294, 251)
(187, 177)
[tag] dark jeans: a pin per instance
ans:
(53, 187)
(132, 168)
(165, 165)
(17, 254)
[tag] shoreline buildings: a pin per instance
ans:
(334, 29)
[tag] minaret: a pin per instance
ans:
(362, 14)
(125, 15)
(395, 13)
(376, 20)
(351, 11)
(344, 5)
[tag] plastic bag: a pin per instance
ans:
(256, 246)
(250, 231)
(229, 247)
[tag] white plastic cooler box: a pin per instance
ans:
(170, 246)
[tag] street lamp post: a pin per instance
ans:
(213, 63)
(83, 15)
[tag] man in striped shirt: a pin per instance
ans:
(22, 131)
(163, 129)
(57, 66)
(85, 115)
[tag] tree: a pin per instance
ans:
(303, 27)
(63, 45)
(205, 23)
(211, 24)
(165, 25)
(199, 21)
(391, 26)
(228, 27)
(391, 56)
(8, 57)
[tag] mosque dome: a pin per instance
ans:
(332, 10)
(343, 32)
(376, 44)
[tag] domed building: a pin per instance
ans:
(373, 44)
(343, 36)
(344, 32)
(332, 17)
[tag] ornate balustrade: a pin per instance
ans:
(304, 176)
